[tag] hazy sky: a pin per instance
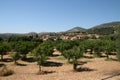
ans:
(22, 16)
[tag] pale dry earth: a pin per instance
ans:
(92, 69)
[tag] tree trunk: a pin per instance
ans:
(15, 62)
(24, 56)
(75, 63)
(1, 57)
(91, 51)
(68, 60)
(40, 68)
(75, 67)
(107, 55)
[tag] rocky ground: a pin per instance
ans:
(59, 69)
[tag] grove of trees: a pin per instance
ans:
(19, 47)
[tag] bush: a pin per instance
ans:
(96, 55)
(15, 56)
(6, 72)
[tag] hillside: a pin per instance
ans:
(104, 29)
(6, 35)
(76, 29)
(106, 25)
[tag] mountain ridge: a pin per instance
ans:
(76, 29)
(104, 25)
(105, 28)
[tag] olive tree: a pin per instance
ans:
(23, 48)
(68, 54)
(78, 53)
(41, 54)
(75, 53)
(4, 48)
(15, 56)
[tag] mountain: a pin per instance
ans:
(107, 25)
(104, 29)
(6, 35)
(76, 29)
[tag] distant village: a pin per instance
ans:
(68, 36)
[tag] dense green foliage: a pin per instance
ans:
(23, 47)
(118, 43)
(104, 29)
(23, 38)
(4, 48)
(15, 56)
(64, 45)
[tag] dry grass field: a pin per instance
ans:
(59, 69)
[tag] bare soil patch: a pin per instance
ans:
(57, 68)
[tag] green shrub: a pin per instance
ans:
(15, 56)
(96, 55)
(61, 58)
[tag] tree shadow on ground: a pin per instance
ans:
(79, 62)
(55, 55)
(52, 64)
(82, 62)
(19, 64)
(114, 59)
(45, 72)
(7, 60)
(30, 59)
(89, 57)
(84, 69)
(1, 65)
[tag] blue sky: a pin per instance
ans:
(22, 16)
